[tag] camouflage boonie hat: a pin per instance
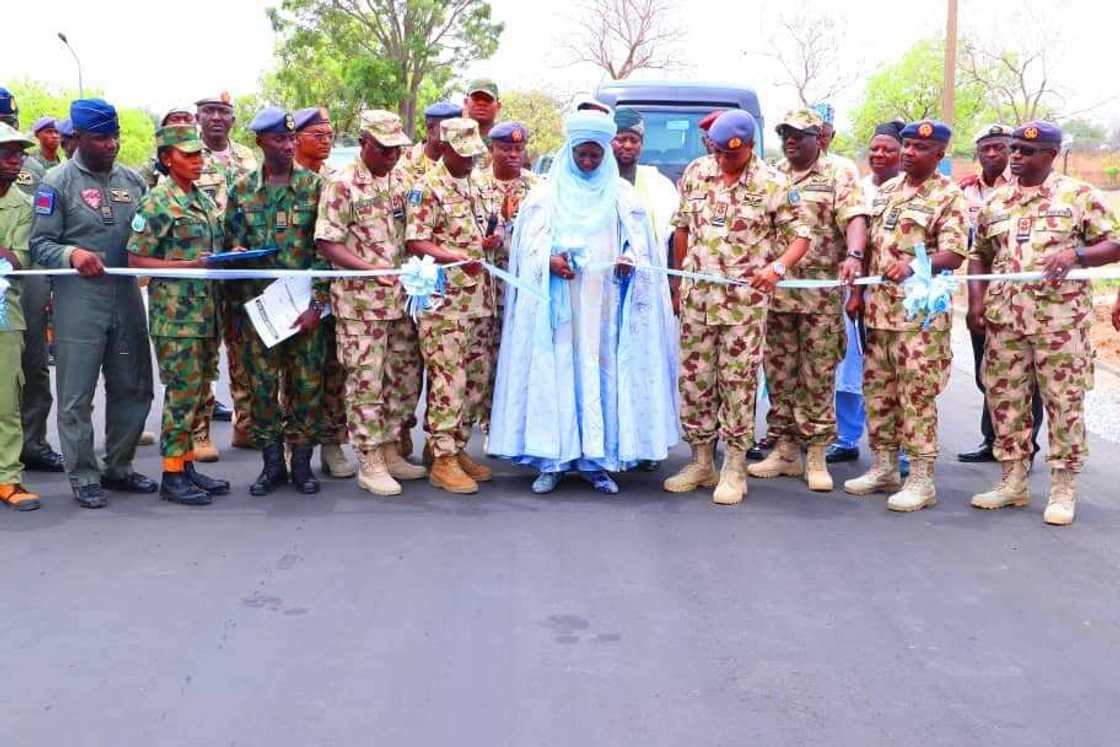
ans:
(462, 135)
(183, 138)
(384, 127)
(805, 120)
(10, 135)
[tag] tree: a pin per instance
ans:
(542, 113)
(36, 99)
(911, 89)
(621, 37)
(1017, 81)
(383, 51)
(805, 43)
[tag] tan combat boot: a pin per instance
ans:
(477, 472)
(203, 448)
(881, 477)
(399, 467)
(816, 469)
(406, 446)
(1011, 490)
(448, 474)
(785, 460)
(699, 472)
(333, 461)
(919, 491)
(374, 475)
(147, 438)
(1063, 500)
(732, 478)
(241, 438)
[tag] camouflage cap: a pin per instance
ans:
(183, 138)
(805, 120)
(384, 127)
(483, 85)
(11, 136)
(462, 135)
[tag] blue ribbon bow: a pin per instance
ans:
(927, 295)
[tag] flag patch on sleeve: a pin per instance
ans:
(44, 202)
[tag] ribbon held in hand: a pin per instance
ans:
(422, 279)
(927, 295)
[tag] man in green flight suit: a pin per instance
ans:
(177, 227)
(83, 210)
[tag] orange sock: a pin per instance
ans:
(173, 464)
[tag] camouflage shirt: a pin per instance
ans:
(1017, 228)
(831, 197)
(176, 225)
(219, 175)
(503, 199)
(934, 214)
(414, 164)
(261, 215)
(365, 213)
(734, 231)
(451, 213)
(15, 231)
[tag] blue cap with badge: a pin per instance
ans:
(732, 130)
(1039, 131)
(509, 132)
(43, 123)
(96, 116)
(272, 120)
(927, 129)
(443, 110)
(66, 128)
(312, 115)
(8, 106)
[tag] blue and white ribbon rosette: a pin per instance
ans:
(926, 294)
(422, 278)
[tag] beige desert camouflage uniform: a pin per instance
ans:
(1038, 333)
(805, 338)
(414, 164)
(454, 335)
(905, 366)
(365, 213)
(733, 231)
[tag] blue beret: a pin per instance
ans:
(94, 115)
(927, 129)
(827, 112)
(312, 115)
(443, 110)
(732, 129)
(43, 123)
(272, 120)
(509, 132)
(1039, 131)
(66, 127)
(7, 103)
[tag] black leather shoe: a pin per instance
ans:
(209, 485)
(982, 453)
(837, 453)
(274, 473)
(755, 453)
(176, 487)
(765, 443)
(221, 412)
(90, 496)
(134, 483)
(302, 476)
(45, 461)
(649, 465)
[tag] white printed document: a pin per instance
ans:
(275, 311)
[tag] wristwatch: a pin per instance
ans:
(1080, 252)
(856, 255)
(778, 268)
(317, 305)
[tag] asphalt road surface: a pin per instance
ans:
(509, 619)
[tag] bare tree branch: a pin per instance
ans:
(806, 44)
(1017, 80)
(621, 37)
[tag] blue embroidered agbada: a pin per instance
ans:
(587, 380)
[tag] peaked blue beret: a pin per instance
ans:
(732, 129)
(66, 128)
(509, 132)
(312, 115)
(443, 110)
(7, 103)
(1039, 131)
(94, 115)
(927, 129)
(43, 123)
(272, 120)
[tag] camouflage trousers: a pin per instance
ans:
(297, 361)
(493, 342)
(235, 327)
(456, 354)
(802, 352)
(1061, 365)
(332, 418)
(376, 357)
(718, 380)
(186, 375)
(903, 372)
(409, 361)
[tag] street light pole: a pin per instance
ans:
(81, 88)
(948, 93)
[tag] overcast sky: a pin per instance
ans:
(125, 46)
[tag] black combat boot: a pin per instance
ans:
(211, 485)
(176, 487)
(274, 473)
(302, 476)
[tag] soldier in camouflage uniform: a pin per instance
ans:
(736, 215)
(276, 206)
(361, 227)
(177, 226)
(504, 186)
(422, 157)
(223, 163)
(447, 222)
(153, 171)
(805, 336)
(484, 105)
(1038, 332)
(906, 365)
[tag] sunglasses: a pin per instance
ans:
(1026, 150)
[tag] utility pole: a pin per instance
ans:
(948, 93)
